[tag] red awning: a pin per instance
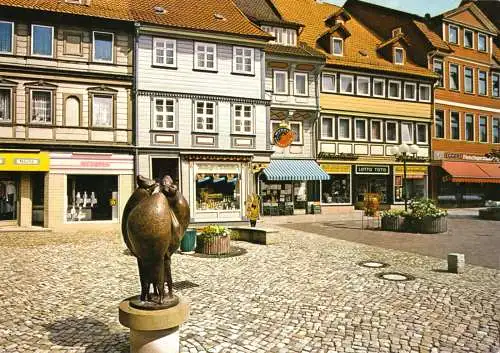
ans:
(470, 172)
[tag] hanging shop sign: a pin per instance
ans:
(372, 169)
(283, 136)
(336, 168)
(24, 162)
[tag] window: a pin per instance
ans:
(469, 127)
(337, 190)
(483, 85)
(376, 130)
(291, 37)
(72, 111)
(344, 128)
(346, 84)
(468, 80)
(363, 88)
(243, 119)
(455, 125)
(243, 60)
(378, 87)
(422, 134)
(41, 40)
(439, 124)
(496, 130)
(300, 86)
(391, 131)
(337, 46)
(327, 127)
(468, 38)
(424, 93)
(164, 113)
(102, 111)
(399, 55)
(6, 37)
(164, 52)
(224, 184)
(394, 89)
(205, 116)
(361, 129)
(482, 44)
(483, 129)
(407, 132)
(296, 127)
(454, 80)
(438, 68)
(268, 29)
(41, 107)
(453, 34)
(205, 56)
(278, 33)
(103, 47)
(495, 85)
(410, 91)
(280, 82)
(329, 82)
(5, 105)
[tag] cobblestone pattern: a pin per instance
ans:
(305, 294)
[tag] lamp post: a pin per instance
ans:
(403, 152)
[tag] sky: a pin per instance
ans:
(419, 7)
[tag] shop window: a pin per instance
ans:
(468, 80)
(483, 129)
(378, 87)
(243, 119)
(469, 127)
(300, 84)
(496, 130)
(416, 188)
(243, 61)
(337, 46)
(422, 134)
(296, 127)
(329, 83)
(280, 82)
(439, 123)
(347, 84)
(164, 52)
(483, 86)
(72, 111)
(371, 184)
(205, 116)
(102, 111)
(92, 198)
(495, 83)
(217, 191)
(376, 130)
(6, 37)
(437, 66)
(394, 89)
(205, 56)
(337, 190)
(344, 128)
(5, 105)
(363, 88)
(42, 40)
(41, 107)
(482, 43)
(410, 91)
(468, 38)
(361, 133)
(407, 132)
(454, 80)
(8, 199)
(453, 34)
(424, 93)
(327, 127)
(455, 125)
(391, 132)
(164, 113)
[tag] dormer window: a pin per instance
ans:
(399, 56)
(453, 34)
(396, 32)
(283, 36)
(337, 46)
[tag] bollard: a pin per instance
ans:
(456, 263)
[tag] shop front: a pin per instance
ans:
(337, 190)
(372, 179)
(416, 182)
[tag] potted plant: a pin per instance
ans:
(213, 240)
(393, 220)
(426, 217)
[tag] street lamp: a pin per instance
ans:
(402, 152)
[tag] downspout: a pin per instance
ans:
(135, 118)
(318, 111)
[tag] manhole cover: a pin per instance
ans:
(184, 285)
(373, 264)
(395, 276)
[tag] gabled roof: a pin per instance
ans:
(490, 8)
(301, 50)
(434, 39)
(263, 12)
(338, 27)
(474, 9)
(330, 20)
(399, 38)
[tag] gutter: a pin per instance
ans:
(135, 95)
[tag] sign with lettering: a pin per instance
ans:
(440, 155)
(336, 168)
(283, 136)
(372, 169)
(411, 170)
(25, 162)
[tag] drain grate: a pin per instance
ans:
(185, 285)
(395, 276)
(373, 264)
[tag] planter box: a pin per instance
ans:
(393, 223)
(217, 245)
(430, 225)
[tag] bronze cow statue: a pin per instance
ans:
(153, 224)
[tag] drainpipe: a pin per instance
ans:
(135, 118)
(318, 111)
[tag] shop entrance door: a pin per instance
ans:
(9, 193)
(372, 184)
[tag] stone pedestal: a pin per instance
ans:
(456, 263)
(154, 331)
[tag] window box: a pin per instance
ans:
(483, 83)
(6, 105)
(455, 125)
(422, 134)
(296, 126)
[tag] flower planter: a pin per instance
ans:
(432, 225)
(213, 245)
(393, 223)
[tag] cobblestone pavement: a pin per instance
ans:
(60, 293)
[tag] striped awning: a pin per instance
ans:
(294, 170)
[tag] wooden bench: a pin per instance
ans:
(256, 235)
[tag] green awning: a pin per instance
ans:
(294, 170)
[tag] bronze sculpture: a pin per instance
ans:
(153, 224)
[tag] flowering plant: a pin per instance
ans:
(426, 208)
(214, 230)
(394, 213)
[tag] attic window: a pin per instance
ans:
(220, 17)
(396, 32)
(159, 10)
(337, 46)
(399, 55)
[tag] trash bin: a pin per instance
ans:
(188, 242)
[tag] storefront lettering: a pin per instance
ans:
(368, 169)
(2, 161)
(94, 164)
(26, 161)
(439, 155)
(341, 156)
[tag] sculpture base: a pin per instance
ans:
(154, 331)
(168, 302)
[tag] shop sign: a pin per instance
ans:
(113, 202)
(283, 136)
(25, 162)
(372, 169)
(339, 156)
(218, 168)
(410, 170)
(439, 155)
(336, 168)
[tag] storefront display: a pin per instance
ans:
(337, 190)
(8, 199)
(217, 191)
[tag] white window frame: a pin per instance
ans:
(479, 132)
(450, 26)
(339, 119)
(112, 47)
(472, 82)
(204, 67)
(242, 118)
(334, 75)
(291, 34)
(402, 56)
(381, 124)
(469, 31)
(458, 77)
(435, 124)
(397, 131)
(389, 89)
(412, 132)
(110, 96)
(278, 34)
(473, 127)
(11, 107)
(205, 116)
(11, 38)
(340, 83)
(426, 126)
(383, 87)
(164, 114)
(363, 78)
(306, 76)
(252, 58)
(422, 85)
(332, 119)
(356, 138)
(301, 132)
(492, 129)
(443, 75)
(336, 39)
(479, 82)
(414, 85)
(485, 42)
(51, 44)
(286, 82)
(31, 121)
(451, 125)
(165, 41)
(497, 75)
(267, 29)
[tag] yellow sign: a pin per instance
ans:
(336, 168)
(113, 202)
(410, 170)
(25, 162)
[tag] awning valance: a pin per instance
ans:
(470, 172)
(294, 170)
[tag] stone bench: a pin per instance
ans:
(490, 213)
(256, 235)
